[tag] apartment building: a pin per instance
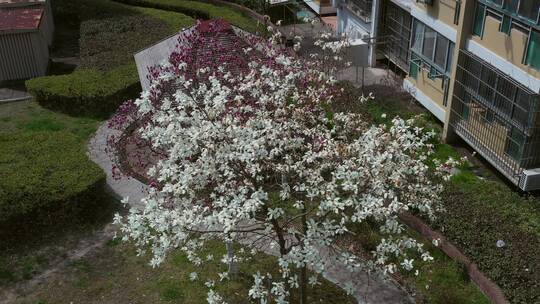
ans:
(474, 64)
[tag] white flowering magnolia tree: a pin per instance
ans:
(255, 155)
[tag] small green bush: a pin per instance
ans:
(86, 91)
(45, 177)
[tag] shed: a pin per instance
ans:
(26, 32)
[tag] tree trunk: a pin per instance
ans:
(303, 270)
(303, 285)
(233, 268)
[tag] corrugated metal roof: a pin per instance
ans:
(20, 19)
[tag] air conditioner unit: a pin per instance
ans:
(530, 180)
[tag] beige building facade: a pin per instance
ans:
(474, 64)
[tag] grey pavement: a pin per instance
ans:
(11, 94)
(371, 76)
(122, 186)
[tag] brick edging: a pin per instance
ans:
(491, 290)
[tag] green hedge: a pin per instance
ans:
(45, 178)
(111, 42)
(87, 91)
(199, 10)
(110, 33)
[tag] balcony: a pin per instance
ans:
(497, 116)
(360, 8)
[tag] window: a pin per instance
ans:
(515, 144)
(465, 111)
(506, 92)
(361, 8)
(479, 17)
(414, 67)
(490, 116)
(435, 49)
(497, 2)
(441, 52)
(430, 36)
(506, 25)
(511, 5)
(529, 9)
(533, 50)
(450, 56)
(521, 109)
(418, 38)
(487, 84)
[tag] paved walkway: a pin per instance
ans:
(370, 75)
(9, 95)
(121, 185)
(367, 289)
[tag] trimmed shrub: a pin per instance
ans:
(41, 186)
(111, 42)
(199, 10)
(87, 91)
(110, 33)
(176, 21)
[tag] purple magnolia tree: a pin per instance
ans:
(248, 150)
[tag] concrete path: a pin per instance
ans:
(370, 75)
(121, 186)
(10, 95)
(367, 289)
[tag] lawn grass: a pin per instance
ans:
(115, 274)
(28, 116)
(443, 280)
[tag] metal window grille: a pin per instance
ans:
(396, 26)
(496, 115)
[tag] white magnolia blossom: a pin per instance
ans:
(260, 153)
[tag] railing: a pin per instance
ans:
(484, 107)
(361, 8)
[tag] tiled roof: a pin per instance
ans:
(20, 18)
